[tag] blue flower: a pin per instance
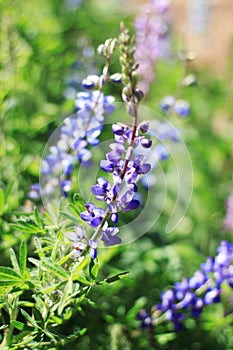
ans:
(182, 108)
(76, 134)
(80, 242)
(203, 288)
(93, 215)
(167, 103)
(144, 318)
(109, 236)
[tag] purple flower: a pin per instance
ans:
(76, 134)
(203, 288)
(144, 318)
(35, 191)
(93, 216)
(182, 108)
(212, 296)
(80, 242)
(109, 236)
(93, 245)
(152, 40)
(76, 237)
(198, 279)
(167, 103)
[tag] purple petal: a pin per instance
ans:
(106, 166)
(134, 204)
(85, 216)
(98, 190)
(93, 253)
(118, 129)
(95, 222)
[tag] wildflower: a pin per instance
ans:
(80, 242)
(152, 39)
(76, 134)
(203, 288)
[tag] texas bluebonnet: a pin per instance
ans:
(78, 133)
(195, 293)
(121, 162)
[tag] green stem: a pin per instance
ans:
(7, 340)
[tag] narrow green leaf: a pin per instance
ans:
(79, 202)
(56, 319)
(18, 325)
(2, 201)
(25, 303)
(93, 269)
(14, 261)
(27, 228)
(65, 297)
(38, 246)
(65, 258)
(23, 257)
(79, 266)
(38, 219)
(56, 245)
(82, 279)
(74, 210)
(5, 283)
(9, 190)
(50, 288)
(55, 269)
(70, 216)
(115, 278)
(8, 274)
(29, 319)
(34, 262)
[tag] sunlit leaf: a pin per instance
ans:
(115, 278)
(14, 261)
(55, 269)
(18, 325)
(30, 319)
(23, 257)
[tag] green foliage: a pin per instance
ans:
(47, 299)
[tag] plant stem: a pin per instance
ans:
(7, 340)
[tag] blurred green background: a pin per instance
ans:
(47, 47)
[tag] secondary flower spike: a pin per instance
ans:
(194, 294)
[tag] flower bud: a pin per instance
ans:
(166, 103)
(139, 94)
(146, 143)
(116, 78)
(182, 108)
(143, 126)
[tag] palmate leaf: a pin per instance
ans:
(53, 268)
(27, 227)
(8, 277)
